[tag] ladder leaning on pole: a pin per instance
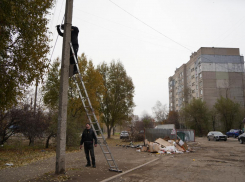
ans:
(93, 120)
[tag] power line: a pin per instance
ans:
(125, 34)
(150, 26)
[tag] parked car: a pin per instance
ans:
(241, 138)
(233, 133)
(216, 135)
(124, 134)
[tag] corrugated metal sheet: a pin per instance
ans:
(151, 134)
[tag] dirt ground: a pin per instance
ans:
(210, 161)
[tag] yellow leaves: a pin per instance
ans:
(23, 156)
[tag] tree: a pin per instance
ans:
(32, 126)
(160, 111)
(76, 115)
(196, 115)
(24, 46)
(51, 87)
(228, 110)
(9, 124)
(147, 121)
(173, 118)
(116, 105)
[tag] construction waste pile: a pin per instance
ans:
(164, 146)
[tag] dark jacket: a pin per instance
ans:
(74, 34)
(88, 137)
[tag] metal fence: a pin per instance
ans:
(151, 134)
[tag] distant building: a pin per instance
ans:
(209, 74)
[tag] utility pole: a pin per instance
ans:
(63, 93)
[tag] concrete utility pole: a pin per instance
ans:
(63, 94)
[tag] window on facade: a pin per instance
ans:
(193, 83)
(193, 91)
(193, 76)
(201, 91)
(192, 69)
(200, 75)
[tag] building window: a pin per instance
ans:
(200, 75)
(193, 83)
(192, 69)
(201, 91)
(193, 91)
(193, 76)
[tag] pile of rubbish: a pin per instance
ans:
(164, 146)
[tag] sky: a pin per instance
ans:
(151, 38)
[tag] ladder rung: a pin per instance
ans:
(110, 159)
(106, 152)
(99, 137)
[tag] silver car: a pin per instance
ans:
(216, 135)
(124, 134)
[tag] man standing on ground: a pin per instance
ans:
(74, 41)
(89, 138)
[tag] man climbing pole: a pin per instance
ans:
(74, 41)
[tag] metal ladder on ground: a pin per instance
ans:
(93, 119)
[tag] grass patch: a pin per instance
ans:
(23, 155)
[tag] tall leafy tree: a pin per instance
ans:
(24, 45)
(76, 116)
(117, 102)
(196, 115)
(160, 111)
(228, 111)
(173, 118)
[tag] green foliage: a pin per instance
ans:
(117, 102)
(51, 87)
(228, 111)
(76, 116)
(24, 45)
(196, 116)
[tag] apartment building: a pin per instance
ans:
(209, 74)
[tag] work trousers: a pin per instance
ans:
(72, 61)
(89, 149)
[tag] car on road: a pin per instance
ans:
(233, 133)
(124, 135)
(216, 135)
(241, 138)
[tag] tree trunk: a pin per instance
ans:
(108, 131)
(113, 131)
(47, 141)
(31, 141)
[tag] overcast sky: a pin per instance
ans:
(151, 37)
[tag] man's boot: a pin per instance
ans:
(88, 165)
